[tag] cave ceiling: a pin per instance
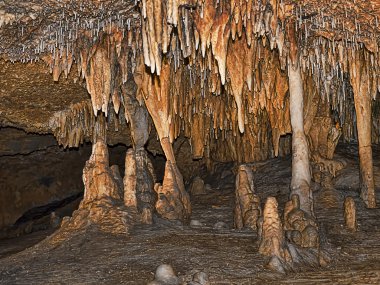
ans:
(209, 70)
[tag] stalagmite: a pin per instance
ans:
(97, 176)
(172, 204)
(360, 81)
(271, 234)
(350, 214)
(139, 182)
(102, 202)
(197, 186)
(247, 202)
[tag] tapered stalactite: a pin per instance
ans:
(362, 84)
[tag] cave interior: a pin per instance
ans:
(189, 142)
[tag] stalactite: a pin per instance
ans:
(73, 126)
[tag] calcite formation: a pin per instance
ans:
(139, 180)
(300, 227)
(197, 186)
(247, 202)
(350, 214)
(272, 237)
(173, 201)
(102, 204)
(234, 78)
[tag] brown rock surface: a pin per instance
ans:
(139, 180)
(197, 186)
(173, 201)
(102, 204)
(350, 214)
(34, 172)
(300, 227)
(247, 203)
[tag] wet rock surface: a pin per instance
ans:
(226, 255)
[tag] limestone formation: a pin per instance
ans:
(98, 178)
(239, 81)
(271, 233)
(300, 226)
(102, 203)
(197, 186)
(139, 182)
(350, 214)
(364, 89)
(247, 202)
(173, 201)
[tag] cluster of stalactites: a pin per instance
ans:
(72, 126)
(201, 109)
(30, 30)
(181, 29)
(105, 65)
(77, 124)
(333, 68)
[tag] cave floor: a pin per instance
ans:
(227, 255)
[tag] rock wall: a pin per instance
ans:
(35, 171)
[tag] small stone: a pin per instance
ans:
(208, 188)
(165, 276)
(220, 226)
(195, 223)
(201, 278)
